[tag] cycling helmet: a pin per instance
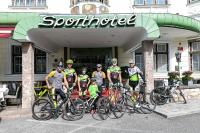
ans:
(69, 61)
(131, 61)
(60, 65)
(99, 65)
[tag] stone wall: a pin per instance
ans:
(191, 94)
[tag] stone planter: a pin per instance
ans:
(187, 82)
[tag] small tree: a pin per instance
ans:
(186, 77)
(173, 75)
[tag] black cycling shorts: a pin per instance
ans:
(133, 84)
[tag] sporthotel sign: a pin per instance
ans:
(87, 21)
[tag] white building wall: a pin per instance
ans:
(123, 57)
(120, 6)
(178, 7)
(193, 10)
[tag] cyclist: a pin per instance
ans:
(58, 77)
(114, 73)
(134, 73)
(114, 76)
(99, 76)
(93, 91)
(70, 72)
(83, 82)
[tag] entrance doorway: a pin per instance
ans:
(90, 57)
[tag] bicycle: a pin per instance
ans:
(162, 94)
(73, 108)
(137, 104)
(111, 104)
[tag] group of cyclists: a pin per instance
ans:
(62, 79)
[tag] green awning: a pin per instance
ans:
(150, 22)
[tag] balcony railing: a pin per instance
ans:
(75, 2)
(193, 1)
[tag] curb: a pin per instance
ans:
(177, 114)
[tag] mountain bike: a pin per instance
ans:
(45, 109)
(161, 95)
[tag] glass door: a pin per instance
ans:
(89, 57)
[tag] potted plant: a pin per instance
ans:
(187, 79)
(173, 76)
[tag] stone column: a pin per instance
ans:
(27, 75)
(148, 64)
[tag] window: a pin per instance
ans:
(89, 9)
(192, 1)
(161, 2)
(28, 3)
(41, 3)
(40, 61)
(103, 9)
(74, 2)
(162, 62)
(19, 2)
(139, 61)
(75, 10)
(196, 62)
(150, 2)
(161, 48)
(139, 2)
(196, 46)
(195, 56)
(161, 57)
(17, 59)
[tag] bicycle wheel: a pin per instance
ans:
(157, 96)
(178, 96)
(118, 108)
(103, 107)
(74, 109)
(42, 109)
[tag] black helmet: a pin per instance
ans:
(60, 64)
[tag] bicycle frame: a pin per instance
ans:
(41, 92)
(114, 92)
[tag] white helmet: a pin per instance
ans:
(131, 61)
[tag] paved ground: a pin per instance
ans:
(136, 123)
(15, 120)
(178, 109)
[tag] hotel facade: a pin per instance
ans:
(36, 34)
